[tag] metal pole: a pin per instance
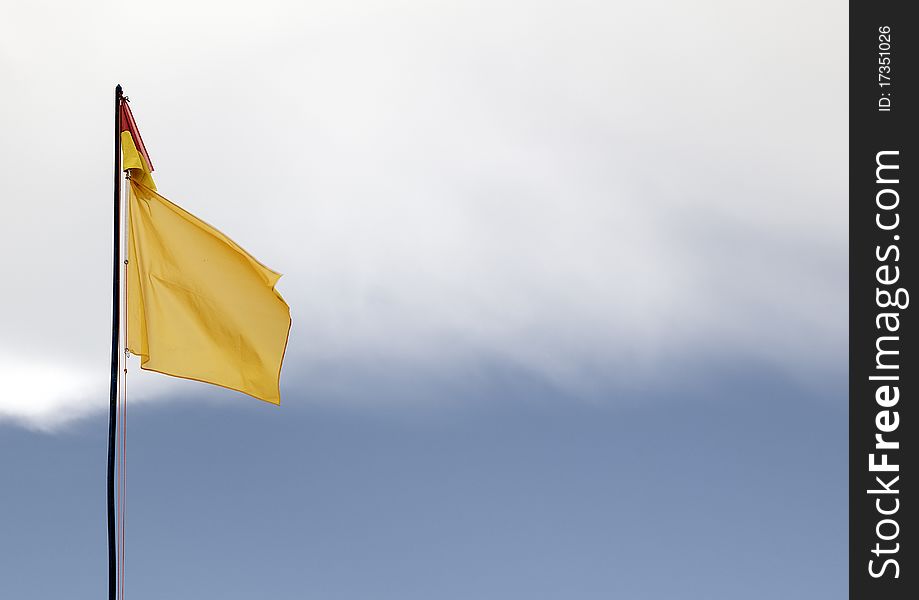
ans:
(113, 396)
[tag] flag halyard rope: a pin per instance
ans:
(123, 409)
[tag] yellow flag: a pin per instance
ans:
(199, 306)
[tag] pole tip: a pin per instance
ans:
(118, 88)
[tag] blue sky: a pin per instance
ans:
(568, 287)
(735, 489)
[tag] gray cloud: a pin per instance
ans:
(573, 189)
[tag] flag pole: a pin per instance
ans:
(116, 351)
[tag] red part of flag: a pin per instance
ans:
(130, 125)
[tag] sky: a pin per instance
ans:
(568, 284)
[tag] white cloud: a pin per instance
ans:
(44, 395)
(573, 184)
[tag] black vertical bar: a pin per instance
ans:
(113, 395)
(883, 379)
